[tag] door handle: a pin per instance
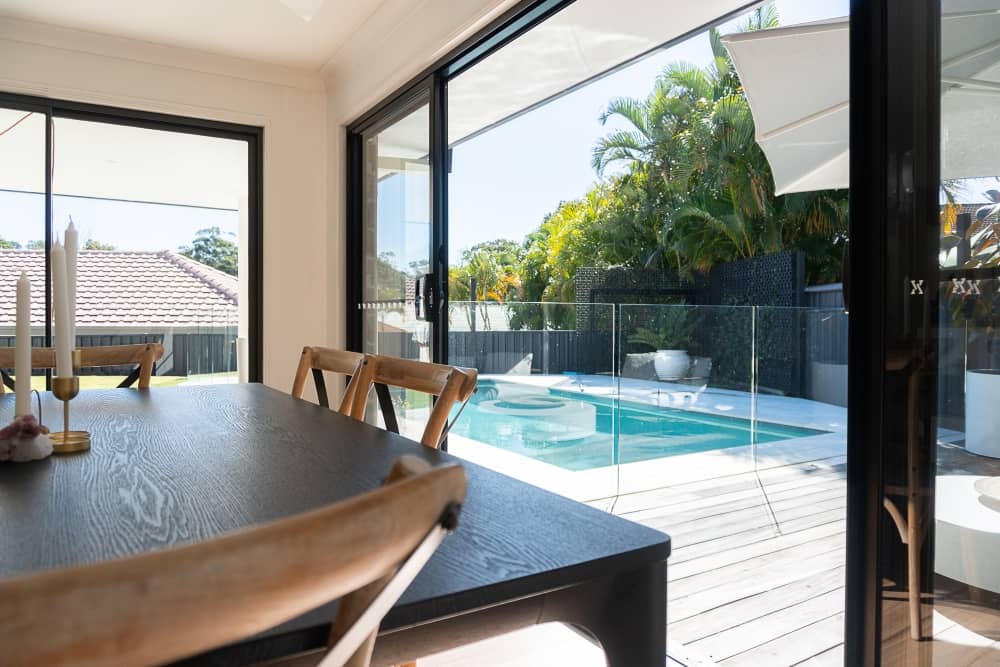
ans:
(430, 302)
(416, 299)
(845, 276)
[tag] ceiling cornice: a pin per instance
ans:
(31, 32)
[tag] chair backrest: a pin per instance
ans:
(167, 605)
(450, 384)
(144, 355)
(319, 359)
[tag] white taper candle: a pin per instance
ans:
(71, 243)
(22, 348)
(64, 351)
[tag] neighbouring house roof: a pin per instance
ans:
(128, 289)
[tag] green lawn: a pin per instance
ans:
(112, 381)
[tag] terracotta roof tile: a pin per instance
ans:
(128, 288)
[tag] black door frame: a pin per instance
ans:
(254, 136)
(426, 92)
(892, 373)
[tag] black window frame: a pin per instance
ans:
(53, 108)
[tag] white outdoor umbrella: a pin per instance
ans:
(797, 84)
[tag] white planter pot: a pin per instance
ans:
(982, 418)
(671, 364)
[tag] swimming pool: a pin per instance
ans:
(580, 432)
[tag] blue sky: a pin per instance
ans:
(125, 225)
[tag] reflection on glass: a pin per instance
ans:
(397, 239)
(942, 596)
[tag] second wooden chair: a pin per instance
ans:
(319, 359)
(450, 384)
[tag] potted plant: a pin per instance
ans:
(670, 337)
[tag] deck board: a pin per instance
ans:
(778, 624)
(737, 613)
(794, 647)
(748, 584)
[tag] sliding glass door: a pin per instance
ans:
(397, 303)
(924, 443)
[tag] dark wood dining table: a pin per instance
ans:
(171, 465)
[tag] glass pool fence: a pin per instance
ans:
(597, 400)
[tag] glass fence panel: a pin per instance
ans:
(686, 405)
(545, 409)
(800, 442)
(801, 387)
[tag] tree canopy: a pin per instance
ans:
(213, 247)
(94, 244)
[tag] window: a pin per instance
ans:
(166, 212)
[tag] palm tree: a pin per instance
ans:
(695, 130)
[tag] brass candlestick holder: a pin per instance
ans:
(66, 389)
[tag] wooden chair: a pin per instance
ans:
(319, 359)
(145, 355)
(450, 384)
(166, 605)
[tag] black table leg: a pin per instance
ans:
(625, 614)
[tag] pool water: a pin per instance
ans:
(580, 432)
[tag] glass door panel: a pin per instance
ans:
(22, 223)
(936, 577)
(396, 308)
(161, 220)
(965, 623)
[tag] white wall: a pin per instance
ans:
(291, 106)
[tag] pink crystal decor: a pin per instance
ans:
(24, 439)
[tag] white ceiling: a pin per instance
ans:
(271, 31)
